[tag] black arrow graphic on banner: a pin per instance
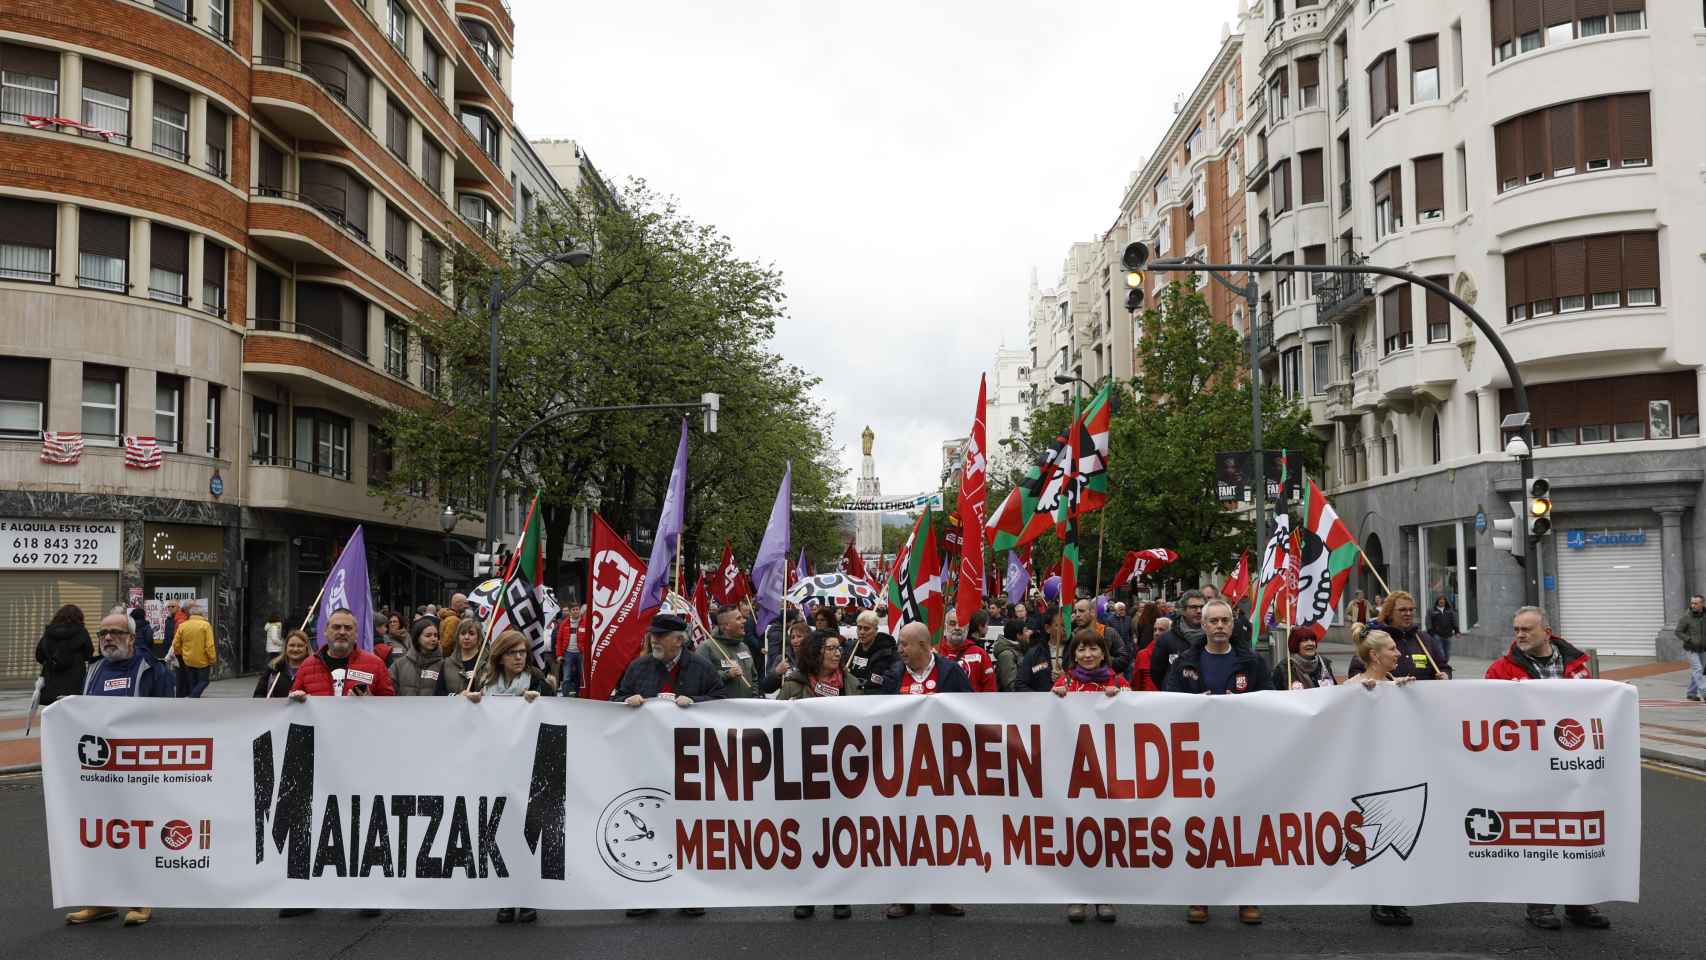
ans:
(1396, 816)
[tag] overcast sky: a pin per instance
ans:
(905, 164)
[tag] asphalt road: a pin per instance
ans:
(1667, 923)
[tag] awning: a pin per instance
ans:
(426, 565)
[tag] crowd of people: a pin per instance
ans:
(1197, 644)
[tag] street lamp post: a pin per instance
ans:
(1137, 258)
(496, 296)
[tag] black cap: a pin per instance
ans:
(667, 623)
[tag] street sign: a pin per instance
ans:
(1480, 521)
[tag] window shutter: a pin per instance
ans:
(357, 98)
(1504, 22)
(1404, 299)
(30, 60)
(216, 123)
(1516, 280)
(1397, 175)
(1634, 128)
(397, 234)
(1641, 260)
(1527, 16)
(1562, 122)
(1592, 8)
(167, 95)
(1430, 184)
(269, 295)
(272, 40)
(1389, 313)
(1534, 144)
(23, 378)
(1391, 61)
(103, 233)
(1314, 186)
(107, 79)
(1559, 11)
(1628, 6)
(1569, 266)
(1508, 142)
(1424, 53)
(1439, 310)
(28, 223)
(1539, 263)
(1315, 256)
(1596, 130)
(170, 249)
(1376, 93)
(396, 129)
(1605, 264)
(1382, 188)
(354, 334)
(213, 264)
(1309, 72)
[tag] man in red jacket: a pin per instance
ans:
(340, 668)
(978, 665)
(1538, 655)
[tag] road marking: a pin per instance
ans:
(1673, 770)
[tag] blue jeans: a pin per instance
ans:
(1696, 673)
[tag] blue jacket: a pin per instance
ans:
(140, 676)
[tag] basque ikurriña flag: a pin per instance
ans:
(915, 586)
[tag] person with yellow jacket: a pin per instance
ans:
(194, 651)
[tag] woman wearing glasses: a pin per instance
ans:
(817, 674)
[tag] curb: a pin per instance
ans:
(1666, 756)
(20, 768)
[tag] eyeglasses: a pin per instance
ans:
(1193, 606)
(112, 632)
(832, 648)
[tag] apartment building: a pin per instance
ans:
(1541, 160)
(220, 222)
(1188, 198)
(1009, 381)
(1076, 326)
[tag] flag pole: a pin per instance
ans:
(1101, 538)
(315, 606)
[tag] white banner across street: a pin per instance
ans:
(1437, 792)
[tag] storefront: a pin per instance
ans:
(1447, 555)
(1610, 588)
(181, 562)
(45, 564)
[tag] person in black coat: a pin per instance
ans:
(144, 632)
(275, 682)
(1442, 624)
(922, 671)
(1046, 660)
(1419, 654)
(63, 651)
(666, 668)
(1187, 632)
(871, 657)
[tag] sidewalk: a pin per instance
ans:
(1673, 729)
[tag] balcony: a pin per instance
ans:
(1257, 178)
(1261, 253)
(1339, 402)
(1342, 296)
(354, 351)
(1365, 388)
(1265, 334)
(1300, 23)
(308, 90)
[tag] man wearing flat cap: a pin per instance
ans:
(665, 669)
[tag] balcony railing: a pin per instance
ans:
(335, 471)
(321, 207)
(1260, 254)
(320, 336)
(1342, 294)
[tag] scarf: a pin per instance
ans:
(1305, 666)
(1192, 635)
(514, 688)
(1101, 675)
(829, 686)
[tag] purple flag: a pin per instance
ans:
(1018, 578)
(346, 589)
(802, 569)
(770, 570)
(669, 528)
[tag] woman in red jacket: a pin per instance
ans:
(1091, 672)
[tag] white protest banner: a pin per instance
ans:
(1435, 792)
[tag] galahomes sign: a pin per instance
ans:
(177, 546)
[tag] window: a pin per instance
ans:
(215, 396)
(432, 165)
(23, 397)
(333, 315)
(429, 370)
(485, 45)
(1282, 186)
(219, 18)
(263, 438)
(1315, 255)
(1439, 313)
(432, 261)
(269, 298)
(479, 213)
(321, 443)
(1462, 177)
(1584, 136)
(1320, 367)
(524, 209)
(1291, 373)
(1193, 144)
(1436, 439)
(171, 122)
(1424, 69)
(1314, 186)
(483, 129)
(1383, 86)
(432, 64)
(217, 127)
(340, 74)
(1632, 20)
(213, 278)
(106, 100)
(1430, 188)
(168, 411)
(1388, 203)
(1602, 272)
(1395, 318)
(177, 8)
(28, 233)
(396, 238)
(337, 193)
(1277, 94)
(397, 130)
(1457, 55)
(103, 404)
(396, 348)
(397, 25)
(270, 182)
(103, 251)
(1308, 83)
(29, 83)
(168, 270)
(381, 455)
(1283, 281)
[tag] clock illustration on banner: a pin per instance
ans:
(636, 835)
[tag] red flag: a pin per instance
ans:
(702, 602)
(730, 585)
(1235, 588)
(615, 623)
(974, 494)
(1286, 607)
(1139, 562)
(851, 563)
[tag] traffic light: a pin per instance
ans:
(485, 566)
(1507, 535)
(1539, 507)
(1134, 259)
